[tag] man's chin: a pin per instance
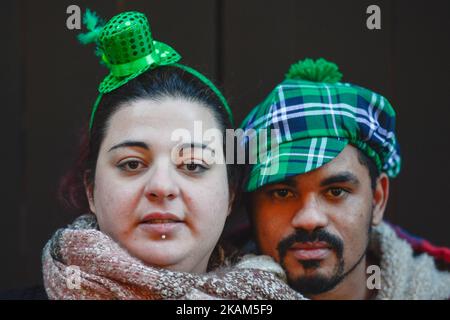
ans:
(314, 283)
(314, 277)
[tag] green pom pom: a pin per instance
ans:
(94, 25)
(320, 70)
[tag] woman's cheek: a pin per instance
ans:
(115, 212)
(218, 211)
(207, 209)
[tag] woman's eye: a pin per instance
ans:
(282, 193)
(193, 167)
(132, 165)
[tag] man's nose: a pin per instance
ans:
(311, 215)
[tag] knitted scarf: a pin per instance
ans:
(107, 271)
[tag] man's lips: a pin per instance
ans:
(310, 250)
(158, 223)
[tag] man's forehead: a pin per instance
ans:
(345, 164)
(348, 158)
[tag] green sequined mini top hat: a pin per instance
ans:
(126, 47)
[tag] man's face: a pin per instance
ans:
(317, 225)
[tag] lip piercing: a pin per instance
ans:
(163, 236)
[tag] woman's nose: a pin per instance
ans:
(161, 184)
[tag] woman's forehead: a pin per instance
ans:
(167, 122)
(165, 113)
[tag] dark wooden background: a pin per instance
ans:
(48, 83)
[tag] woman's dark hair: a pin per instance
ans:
(168, 81)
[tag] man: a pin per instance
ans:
(317, 199)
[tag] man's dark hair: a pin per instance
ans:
(370, 165)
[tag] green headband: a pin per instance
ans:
(126, 47)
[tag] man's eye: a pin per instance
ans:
(337, 192)
(132, 165)
(282, 193)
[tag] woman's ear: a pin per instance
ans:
(89, 189)
(380, 198)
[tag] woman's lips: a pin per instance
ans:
(159, 224)
(161, 228)
(310, 250)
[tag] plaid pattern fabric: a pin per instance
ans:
(311, 123)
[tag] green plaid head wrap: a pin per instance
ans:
(314, 117)
(125, 45)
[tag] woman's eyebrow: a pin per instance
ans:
(129, 143)
(192, 146)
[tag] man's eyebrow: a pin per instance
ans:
(129, 143)
(290, 182)
(345, 176)
(192, 146)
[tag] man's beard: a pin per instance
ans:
(316, 284)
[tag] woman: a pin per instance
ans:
(157, 190)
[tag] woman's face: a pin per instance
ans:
(164, 201)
